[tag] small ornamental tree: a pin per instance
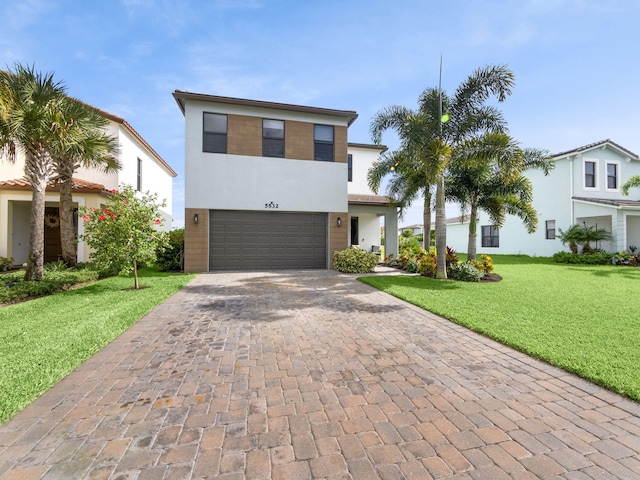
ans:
(125, 233)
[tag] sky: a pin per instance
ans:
(576, 62)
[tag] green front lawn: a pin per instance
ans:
(43, 340)
(584, 319)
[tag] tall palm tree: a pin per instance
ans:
(31, 120)
(488, 174)
(428, 138)
(87, 145)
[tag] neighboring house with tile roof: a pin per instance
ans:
(584, 188)
(274, 186)
(142, 167)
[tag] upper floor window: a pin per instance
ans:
(350, 167)
(550, 227)
(490, 236)
(139, 176)
(612, 176)
(323, 143)
(590, 174)
(272, 138)
(214, 134)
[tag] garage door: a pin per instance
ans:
(267, 240)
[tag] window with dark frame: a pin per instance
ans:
(590, 174)
(350, 168)
(272, 138)
(550, 228)
(139, 176)
(612, 176)
(323, 143)
(490, 236)
(214, 133)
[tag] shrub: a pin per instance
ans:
(412, 267)
(171, 257)
(593, 258)
(409, 246)
(5, 263)
(485, 264)
(451, 257)
(630, 259)
(13, 287)
(465, 272)
(58, 266)
(427, 265)
(354, 260)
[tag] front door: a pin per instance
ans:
(354, 231)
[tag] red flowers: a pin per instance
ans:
(158, 221)
(102, 218)
(86, 218)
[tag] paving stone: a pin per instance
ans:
(298, 375)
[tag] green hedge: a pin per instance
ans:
(594, 258)
(354, 260)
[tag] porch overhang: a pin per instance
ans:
(615, 204)
(370, 200)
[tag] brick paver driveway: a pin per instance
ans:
(295, 375)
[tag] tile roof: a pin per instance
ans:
(592, 146)
(614, 203)
(80, 185)
(378, 200)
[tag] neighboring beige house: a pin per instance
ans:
(274, 186)
(142, 168)
(584, 188)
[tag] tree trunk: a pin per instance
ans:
(441, 231)
(67, 231)
(38, 171)
(426, 220)
(473, 233)
(136, 285)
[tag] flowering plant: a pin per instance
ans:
(125, 233)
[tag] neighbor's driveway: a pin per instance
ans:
(294, 375)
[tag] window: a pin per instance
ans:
(612, 176)
(139, 179)
(589, 174)
(323, 143)
(350, 168)
(550, 228)
(214, 136)
(272, 138)
(490, 236)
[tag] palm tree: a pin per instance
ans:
(87, 145)
(488, 173)
(31, 120)
(571, 236)
(633, 181)
(428, 138)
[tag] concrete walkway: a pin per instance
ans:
(296, 375)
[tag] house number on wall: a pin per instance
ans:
(270, 205)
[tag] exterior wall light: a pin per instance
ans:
(339, 222)
(195, 218)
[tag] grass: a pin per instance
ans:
(582, 318)
(43, 340)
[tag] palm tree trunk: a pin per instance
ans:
(67, 231)
(38, 171)
(473, 233)
(441, 231)
(426, 220)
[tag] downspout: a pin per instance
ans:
(571, 166)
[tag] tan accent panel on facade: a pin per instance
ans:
(196, 241)
(298, 140)
(338, 236)
(340, 144)
(244, 135)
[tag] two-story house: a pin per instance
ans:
(274, 186)
(584, 188)
(142, 167)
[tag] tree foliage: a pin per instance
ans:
(428, 139)
(125, 233)
(633, 181)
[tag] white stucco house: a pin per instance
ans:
(584, 188)
(274, 186)
(142, 167)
